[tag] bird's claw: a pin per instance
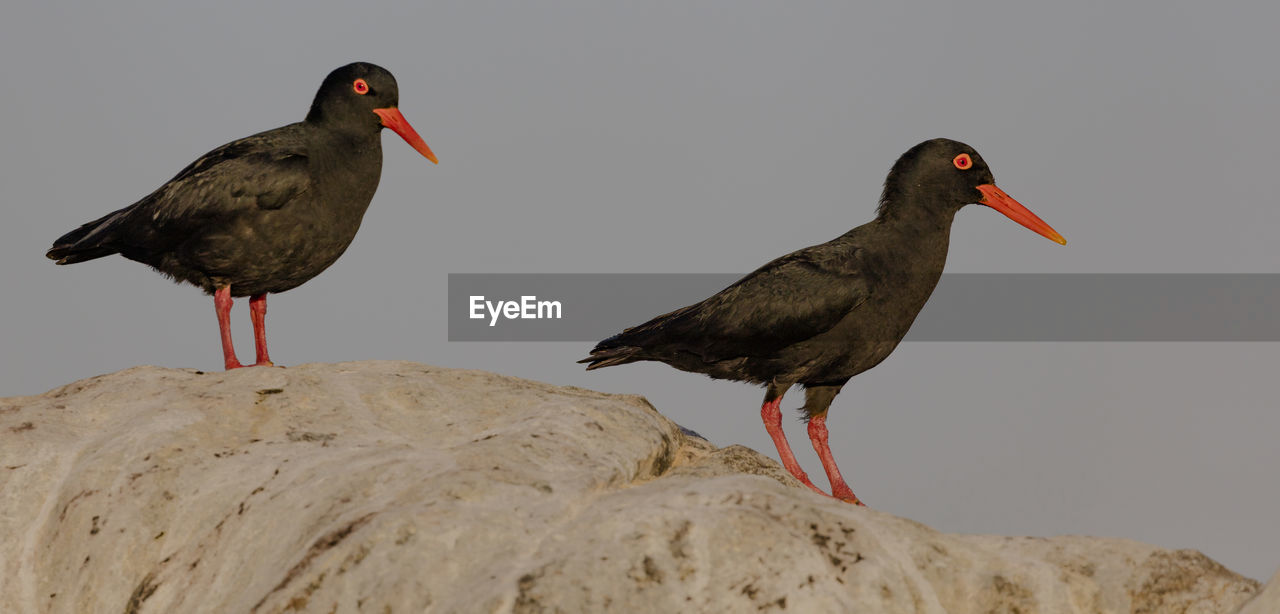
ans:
(236, 365)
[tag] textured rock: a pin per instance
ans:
(1267, 601)
(397, 487)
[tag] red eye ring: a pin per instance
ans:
(963, 161)
(360, 87)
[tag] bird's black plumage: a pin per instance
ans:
(264, 213)
(267, 212)
(823, 314)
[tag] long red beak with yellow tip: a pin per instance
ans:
(391, 118)
(996, 199)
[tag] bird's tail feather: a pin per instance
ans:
(608, 357)
(88, 242)
(70, 255)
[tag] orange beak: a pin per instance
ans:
(391, 118)
(996, 199)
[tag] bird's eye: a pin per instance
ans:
(360, 87)
(963, 161)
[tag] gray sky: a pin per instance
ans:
(711, 137)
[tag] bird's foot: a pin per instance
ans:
(804, 479)
(843, 493)
(789, 463)
(851, 499)
(235, 364)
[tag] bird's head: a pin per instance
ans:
(363, 96)
(943, 173)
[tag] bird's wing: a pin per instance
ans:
(264, 171)
(786, 301)
(233, 178)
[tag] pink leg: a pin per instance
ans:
(818, 435)
(222, 304)
(258, 313)
(771, 413)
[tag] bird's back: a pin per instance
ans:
(824, 312)
(251, 213)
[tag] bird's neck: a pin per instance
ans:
(348, 164)
(917, 232)
(354, 149)
(909, 217)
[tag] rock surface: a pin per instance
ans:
(1268, 601)
(398, 487)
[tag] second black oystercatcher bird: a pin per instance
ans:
(266, 213)
(819, 316)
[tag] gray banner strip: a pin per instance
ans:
(965, 306)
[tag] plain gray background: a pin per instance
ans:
(711, 137)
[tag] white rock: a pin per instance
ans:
(1267, 601)
(393, 486)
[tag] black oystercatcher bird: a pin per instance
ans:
(265, 213)
(821, 315)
